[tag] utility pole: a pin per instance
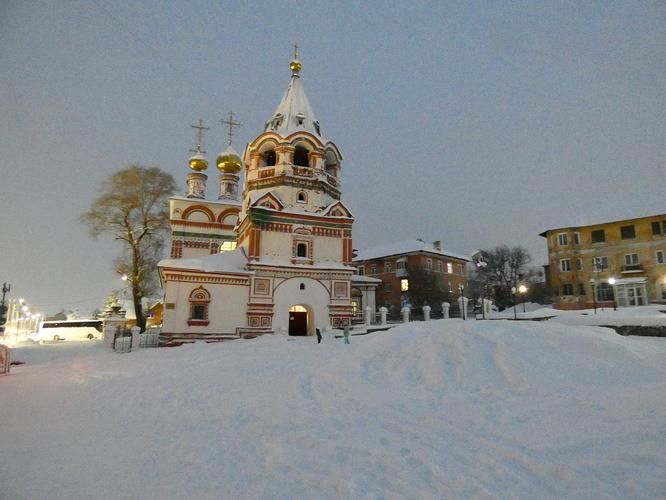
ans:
(3, 309)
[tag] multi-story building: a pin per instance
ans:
(399, 265)
(619, 263)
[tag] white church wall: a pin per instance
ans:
(327, 249)
(276, 245)
(226, 309)
(315, 296)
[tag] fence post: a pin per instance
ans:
(382, 313)
(109, 333)
(426, 313)
(462, 302)
(405, 314)
(368, 316)
(135, 337)
(445, 310)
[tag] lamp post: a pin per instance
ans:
(611, 282)
(513, 292)
(461, 289)
(522, 289)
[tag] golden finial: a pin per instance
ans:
(295, 64)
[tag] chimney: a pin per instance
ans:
(438, 245)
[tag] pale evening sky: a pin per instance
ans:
(473, 123)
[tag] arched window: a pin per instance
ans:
(199, 301)
(269, 158)
(302, 286)
(301, 157)
(301, 250)
(302, 197)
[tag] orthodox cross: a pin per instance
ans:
(230, 124)
(296, 51)
(200, 130)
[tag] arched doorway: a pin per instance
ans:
(299, 320)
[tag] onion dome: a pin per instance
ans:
(198, 162)
(229, 162)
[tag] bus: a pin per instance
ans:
(75, 329)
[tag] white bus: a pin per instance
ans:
(75, 329)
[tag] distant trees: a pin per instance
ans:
(500, 269)
(424, 289)
(132, 207)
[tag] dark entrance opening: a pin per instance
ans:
(298, 323)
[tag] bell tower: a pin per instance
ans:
(292, 221)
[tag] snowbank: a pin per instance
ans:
(446, 409)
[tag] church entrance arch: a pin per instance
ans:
(300, 319)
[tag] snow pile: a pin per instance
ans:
(446, 409)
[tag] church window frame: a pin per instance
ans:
(269, 158)
(302, 197)
(199, 301)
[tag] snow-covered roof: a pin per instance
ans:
(206, 202)
(294, 113)
(318, 265)
(405, 247)
(361, 278)
(234, 261)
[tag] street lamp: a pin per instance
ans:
(611, 282)
(461, 289)
(522, 289)
(513, 292)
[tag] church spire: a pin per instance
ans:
(294, 113)
(196, 179)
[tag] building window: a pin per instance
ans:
(428, 265)
(388, 267)
(660, 257)
(605, 292)
(581, 288)
(388, 287)
(199, 301)
(579, 264)
(404, 285)
(598, 236)
(576, 238)
(567, 289)
(373, 269)
(361, 270)
(627, 232)
(401, 265)
(449, 268)
(562, 239)
(227, 246)
(565, 265)
(599, 263)
(301, 250)
(440, 266)
(631, 259)
(656, 228)
(302, 197)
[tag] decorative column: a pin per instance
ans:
(405, 314)
(445, 310)
(382, 313)
(426, 313)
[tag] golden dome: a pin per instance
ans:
(198, 163)
(295, 66)
(229, 162)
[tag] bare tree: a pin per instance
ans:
(502, 268)
(132, 207)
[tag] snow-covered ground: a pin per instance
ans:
(651, 315)
(445, 409)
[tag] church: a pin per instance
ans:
(277, 260)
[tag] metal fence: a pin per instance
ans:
(151, 338)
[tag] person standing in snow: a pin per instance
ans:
(318, 332)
